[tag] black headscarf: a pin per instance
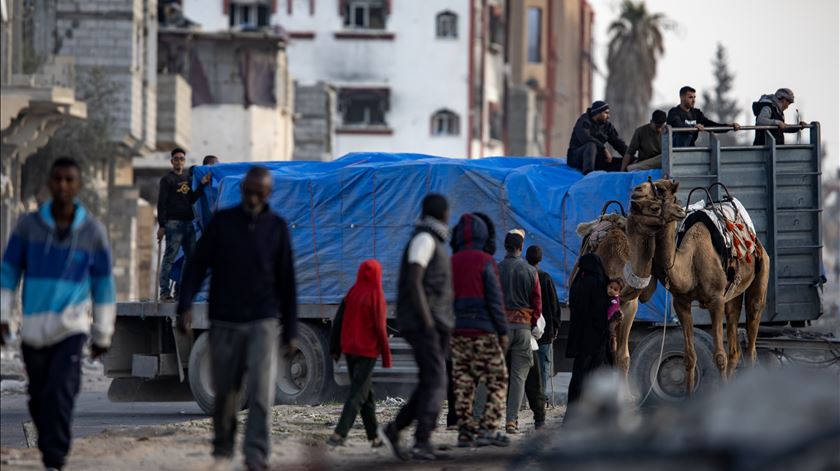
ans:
(588, 303)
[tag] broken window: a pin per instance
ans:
(249, 14)
(534, 35)
(363, 107)
(364, 14)
(445, 123)
(447, 25)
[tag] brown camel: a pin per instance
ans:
(632, 240)
(693, 272)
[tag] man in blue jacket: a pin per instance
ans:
(62, 254)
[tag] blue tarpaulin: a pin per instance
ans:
(364, 205)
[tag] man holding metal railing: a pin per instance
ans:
(687, 116)
(769, 110)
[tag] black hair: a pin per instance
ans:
(177, 150)
(658, 117)
(65, 162)
(435, 205)
(490, 245)
(533, 254)
(686, 89)
(616, 280)
(258, 171)
(513, 242)
(207, 159)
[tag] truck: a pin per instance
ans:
(364, 205)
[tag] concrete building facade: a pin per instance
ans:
(408, 76)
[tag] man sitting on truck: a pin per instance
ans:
(647, 142)
(249, 250)
(588, 145)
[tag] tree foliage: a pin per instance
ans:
(718, 105)
(636, 45)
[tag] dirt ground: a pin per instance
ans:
(298, 436)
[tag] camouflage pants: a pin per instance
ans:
(474, 360)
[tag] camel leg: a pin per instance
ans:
(622, 354)
(733, 315)
(716, 311)
(755, 299)
(683, 308)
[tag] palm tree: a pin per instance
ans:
(635, 46)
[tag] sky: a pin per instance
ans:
(770, 44)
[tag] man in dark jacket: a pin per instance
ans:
(425, 320)
(551, 311)
(588, 145)
(248, 248)
(480, 337)
(175, 216)
(769, 110)
(588, 326)
(523, 306)
(685, 115)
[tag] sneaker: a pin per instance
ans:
(465, 439)
(391, 439)
(511, 428)
(493, 438)
(376, 443)
(221, 464)
(336, 440)
(426, 452)
(539, 425)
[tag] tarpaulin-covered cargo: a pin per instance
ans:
(364, 205)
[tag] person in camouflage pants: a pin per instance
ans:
(480, 335)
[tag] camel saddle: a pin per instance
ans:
(730, 226)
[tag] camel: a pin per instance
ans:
(632, 240)
(693, 272)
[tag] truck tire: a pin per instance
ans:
(307, 376)
(668, 378)
(201, 376)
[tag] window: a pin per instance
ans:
(495, 120)
(497, 27)
(447, 25)
(364, 14)
(445, 123)
(249, 14)
(534, 35)
(363, 107)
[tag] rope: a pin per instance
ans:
(315, 247)
(661, 348)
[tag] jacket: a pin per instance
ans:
(63, 279)
(550, 308)
(176, 197)
(437, 282)
(777, 117)
(253, 269)
(588, 303)
(479, 308)
(587, 130)
(521, 291)
(679, 118)
(359, 327)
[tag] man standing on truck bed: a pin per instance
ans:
(249, 250)
(175, 216)
(685, 115)
(425, 319)
(62, 254)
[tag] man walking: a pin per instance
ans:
(480, 337)
(175, 216)
(523, 306)
(685, 115)
(550, 311)
(588, 145)
(425, 320)
(62, 254)
(647, 142)
(253, 283)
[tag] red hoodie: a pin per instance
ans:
(363, 330)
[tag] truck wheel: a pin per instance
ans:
(668, 378)
(306, 377)
(201, 376)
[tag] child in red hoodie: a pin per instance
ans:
(359, 331)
